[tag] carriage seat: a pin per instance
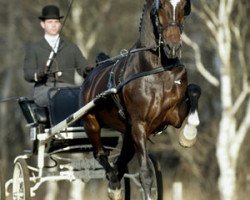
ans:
(33, 113)
(62, 103)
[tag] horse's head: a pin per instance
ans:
(168, 19)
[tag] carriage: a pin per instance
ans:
(66, 154)
(138, 94)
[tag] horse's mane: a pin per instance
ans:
(142, 16)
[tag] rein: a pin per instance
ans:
(4, 100)
(125, 53)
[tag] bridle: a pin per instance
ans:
(159, 28)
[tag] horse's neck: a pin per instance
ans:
(153, 57)
(147, 36)
(147, 39)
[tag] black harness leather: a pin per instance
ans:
(112, 84)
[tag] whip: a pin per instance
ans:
(53, 53)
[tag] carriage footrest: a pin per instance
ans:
(78, 145)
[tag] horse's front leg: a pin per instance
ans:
(146, 174)
(188, 133)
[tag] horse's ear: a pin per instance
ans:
(187, 10)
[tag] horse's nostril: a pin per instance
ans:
(178, 46)
(168, 47)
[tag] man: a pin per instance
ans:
(52, 61)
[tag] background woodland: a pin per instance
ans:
(216, 46)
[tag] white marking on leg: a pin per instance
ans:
(193, 118)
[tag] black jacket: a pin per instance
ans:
(68, 59)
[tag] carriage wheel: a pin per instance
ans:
(157, 187)
(2, 185)
(21, 183)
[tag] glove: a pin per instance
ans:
(87, 70)
(41, 75)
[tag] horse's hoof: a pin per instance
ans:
(188, 135)
(115, 194)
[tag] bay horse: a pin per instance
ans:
(152, 92)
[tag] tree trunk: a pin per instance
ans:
(229, 138)
(7, 82)
(227, 33)
(227, 178)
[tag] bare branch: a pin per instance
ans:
(212, 26)
(241, 133)
(200, 67)
(241, 98)
(229, 6)
(240, 41)
(90, 39)
(211, 14)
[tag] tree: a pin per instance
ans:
(226, 21)
(7, 84)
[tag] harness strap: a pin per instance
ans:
(147, 73)
(111, 81)
(115, 96)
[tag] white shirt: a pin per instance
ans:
(53, 41)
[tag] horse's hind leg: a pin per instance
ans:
(127, 153)
(189, 131)
(93, 131)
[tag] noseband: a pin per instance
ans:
(171, 24)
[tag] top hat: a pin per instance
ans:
(50, 12)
